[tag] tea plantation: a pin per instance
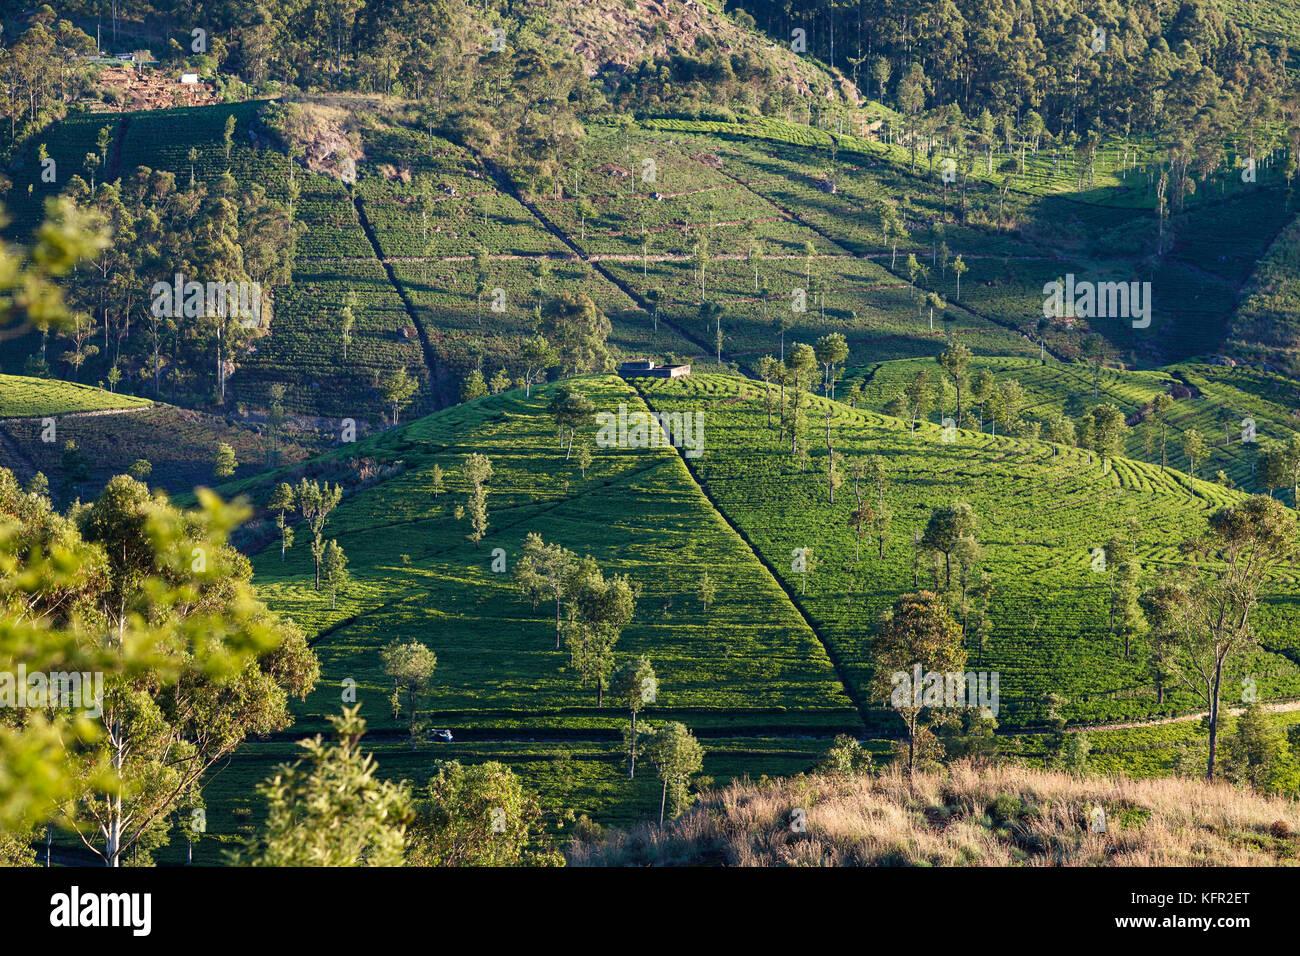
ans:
(716, 243)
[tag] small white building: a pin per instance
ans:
(646, 368)
(189, 79)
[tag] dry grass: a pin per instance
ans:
(324, 131)
(965, 816)
(616, 32)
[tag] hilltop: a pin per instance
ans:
(616, 35)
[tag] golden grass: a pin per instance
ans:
(1006, 815)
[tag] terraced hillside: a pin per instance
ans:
(758, 255)
(475, 263)
(747, 674)
(778, 662)
(1058, 217)
(1216, 401)
(1042, 510)
(443, 263)
(637, 512)
(23, 396)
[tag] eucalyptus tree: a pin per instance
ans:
(635, 685)
(1207, 613)
(601, 607)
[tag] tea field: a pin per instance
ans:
(778, 662)
(1042, 509)
(765, 234)
(22, 396)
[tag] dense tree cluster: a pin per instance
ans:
(153, 600)
(1074, 66)
(227, 233)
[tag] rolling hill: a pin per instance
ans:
(776, 665)
(655, 222)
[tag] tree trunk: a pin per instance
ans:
(113, 829)
(631, 774)
(113, 841)
(1214, 718)
(911, 750)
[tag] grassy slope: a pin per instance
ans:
(508, 694)
(432, 258)
(748, 662)
(740, 186)
(25, 397)
(748, 674)
(863, 299)
(708, 190)
(757, 182)
(1266, 326)
(1278, 24)
(1040, 518)
(1104, 231)
(1221, 395)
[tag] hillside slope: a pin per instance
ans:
(615, 34)
(23, 396)
(736, 665)
(746, 673)
(1042, 510)
(965, 816)
(1213, 399)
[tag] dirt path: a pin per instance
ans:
(95, 413)
(1281, 707)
